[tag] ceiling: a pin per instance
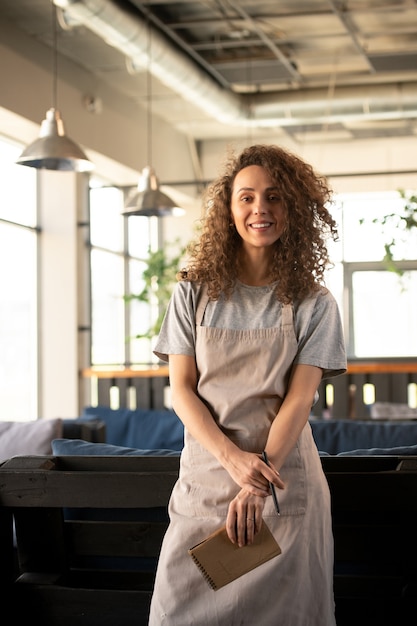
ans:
(319, 70)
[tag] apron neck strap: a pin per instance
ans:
(201, 305)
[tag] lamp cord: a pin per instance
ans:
(55, 58)
(149, 96)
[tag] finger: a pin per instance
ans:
(258, 521)
(250, 529)
(272, 475)
(278, 482)
(242, 530)
(231, 526)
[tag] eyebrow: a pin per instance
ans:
(274, 188)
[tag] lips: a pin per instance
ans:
(260, 225)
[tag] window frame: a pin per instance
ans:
(349, 269)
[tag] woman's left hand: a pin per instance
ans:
(244, 517)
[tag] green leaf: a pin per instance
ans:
(398, 224)
(159, 279)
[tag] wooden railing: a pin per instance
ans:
(142, 387)
(366, 382)
(346, 396)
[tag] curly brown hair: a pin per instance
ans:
(300, 256)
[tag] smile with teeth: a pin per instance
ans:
(261, 225)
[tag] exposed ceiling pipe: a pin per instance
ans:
(366, 102)
(128, 33)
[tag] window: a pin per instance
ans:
(379, 307)
(18, 287)
(119, 248)
(383, 312)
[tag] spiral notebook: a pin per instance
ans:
(222, 561)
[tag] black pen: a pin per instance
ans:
(272, 486)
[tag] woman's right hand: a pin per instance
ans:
(251, 473)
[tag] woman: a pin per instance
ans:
(250, 332)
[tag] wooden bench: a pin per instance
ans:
(374, 513)
(89, 530)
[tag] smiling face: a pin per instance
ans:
(257, 210)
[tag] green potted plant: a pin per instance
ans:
(159, 278)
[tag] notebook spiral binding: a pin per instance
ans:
(208, 579)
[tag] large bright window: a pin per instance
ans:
(383, 313)
(379, 306)
(119, 248)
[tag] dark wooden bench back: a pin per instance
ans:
(374, 510)
(89, 530)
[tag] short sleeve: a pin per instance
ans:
(177, 334)
(320, 334)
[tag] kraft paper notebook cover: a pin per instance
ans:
(222, 561)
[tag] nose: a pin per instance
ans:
(259, 206)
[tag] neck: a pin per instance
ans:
(255, 269)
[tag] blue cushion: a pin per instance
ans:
(341, 435)
(76, 447)
(140, 428)
(398, 451)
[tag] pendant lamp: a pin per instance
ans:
(53, 150)
(148, 200)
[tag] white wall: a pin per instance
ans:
(385, 156)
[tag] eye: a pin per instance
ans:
(273, 198)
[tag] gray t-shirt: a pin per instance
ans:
(317, 322)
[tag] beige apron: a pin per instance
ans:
(242, 379)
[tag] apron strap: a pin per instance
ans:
(287, 315)
(201, 305)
